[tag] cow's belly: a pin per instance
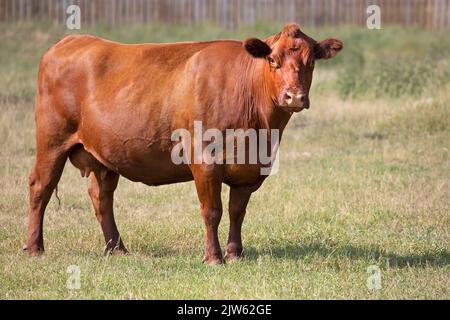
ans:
(150, 162)
(154, 168)
(137, 159)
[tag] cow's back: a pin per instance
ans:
(83, 71)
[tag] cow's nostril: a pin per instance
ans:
(288, 97)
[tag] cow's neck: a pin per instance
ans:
(276, 118)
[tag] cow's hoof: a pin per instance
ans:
(213, 261)
(33, 251)
(234, 252)
(115, 251)
(231, 257)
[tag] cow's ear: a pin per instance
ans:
(327, 49)
(257, 48)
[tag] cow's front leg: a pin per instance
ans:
(239, 198)
(208, 181)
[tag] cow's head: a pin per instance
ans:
(290, 56)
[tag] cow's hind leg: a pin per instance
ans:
(102, 185)
(42, 181)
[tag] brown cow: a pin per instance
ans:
(111, 108)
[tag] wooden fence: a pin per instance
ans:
(231, 13)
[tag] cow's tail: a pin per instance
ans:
(57, 197)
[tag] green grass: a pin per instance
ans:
(362, 181)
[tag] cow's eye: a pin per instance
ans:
(273, 63)
(294, 49)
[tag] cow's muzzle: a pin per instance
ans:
(295, 102)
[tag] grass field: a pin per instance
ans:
(363, 180)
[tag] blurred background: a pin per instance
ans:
(363, 180)
(231, 13)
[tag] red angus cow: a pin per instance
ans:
(111, 108)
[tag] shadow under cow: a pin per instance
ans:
(301, 250)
